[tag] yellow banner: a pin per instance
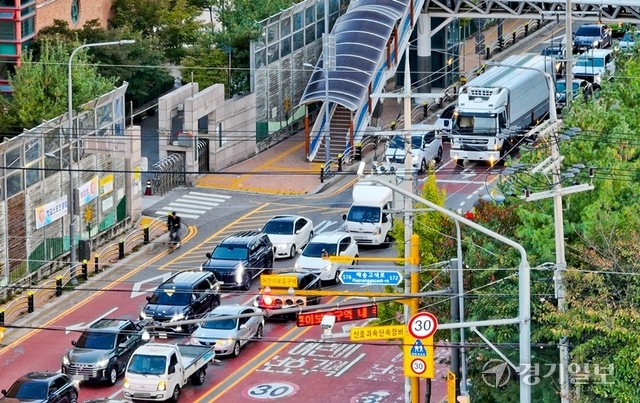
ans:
(106, 185)
(272, 280)
(376, 332)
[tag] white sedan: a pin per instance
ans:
(288, 234)
(337, 243)
(228, 335)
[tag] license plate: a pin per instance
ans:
(80, 377)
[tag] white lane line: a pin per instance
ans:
(198, 203)
(191, 197)
(351, 364)
(210, 195)
(184, 207)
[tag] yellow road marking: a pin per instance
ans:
(267, 164)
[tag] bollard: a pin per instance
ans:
(85, 270)
(514, 37)
(393, 125)
(58, 286)
(30, 305)
(488, 55)
(96, 265)
(358, 155)
(501, 44)
(526, 28)
(322, 174)
(145, 232)
(121, 249)
(425, 109)
(147, 191)
(339, 162)
(2, 317)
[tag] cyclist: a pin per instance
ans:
(173, 224)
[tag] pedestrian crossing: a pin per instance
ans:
(193, 204)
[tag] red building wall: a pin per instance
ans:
(49, 10)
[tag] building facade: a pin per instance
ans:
(20, 21)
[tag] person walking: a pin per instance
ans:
(173, 224)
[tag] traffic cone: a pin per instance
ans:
(147, 191)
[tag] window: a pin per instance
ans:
(300, 224)
(344, 244)
(27, 27)
(7, 31)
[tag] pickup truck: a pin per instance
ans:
(157, 371)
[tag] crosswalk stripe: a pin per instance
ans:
(190, 197)
(184, 207)
(164, 213)
(198, 202)
(210, 194)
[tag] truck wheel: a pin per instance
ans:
(246, 281)
(460, 163)
(112, 374)
(198, 378)
(176, 394)
(387, 241)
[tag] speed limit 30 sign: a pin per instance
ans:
(422, 325)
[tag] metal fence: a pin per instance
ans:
(168, 174)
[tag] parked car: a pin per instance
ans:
(591, 36)
(42, 387)
(185, 295)
(445, 120)
(579, 87)
(426, 146)
(326, 244)
(273, 299)
(102, 350)
(288, 234)
(594, 65)
(239, 258)
(229, 335)
(628, 41)
(557, 52)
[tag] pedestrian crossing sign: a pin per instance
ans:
(418, 349)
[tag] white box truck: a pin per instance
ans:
(369, 219)
(157, 372)
(495, 108)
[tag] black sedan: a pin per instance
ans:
(42, 387)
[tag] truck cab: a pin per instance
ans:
(369, 219)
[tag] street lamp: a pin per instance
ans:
(327, 132)
(72, 232)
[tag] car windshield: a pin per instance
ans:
(278, 228)
(222, 324)
(364, 214)
(590, 62)
(588, 31)
(168, 295)
(230, 252)
(314, 249)
(475, 123)
(97, 340)
(147, 364)
(629, 37)
(551, 51)
(561, 86)
(397, 142)
(28, 390)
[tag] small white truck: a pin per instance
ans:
(369, 218)
(156, 371)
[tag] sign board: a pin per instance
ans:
(419, 357)
(339, 259)
(87, 192)
(274, 280)
(116, 147)
(422, 325)
(341, 315)
(50, 212)
(370, 277)
(451, 387)
(376, 332)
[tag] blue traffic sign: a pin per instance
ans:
(370, 277)
(418, 350)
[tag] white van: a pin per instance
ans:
(369, 219)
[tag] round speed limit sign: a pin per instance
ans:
(422, 325)
(418, 366)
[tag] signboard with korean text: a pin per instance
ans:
(106, 185)
(48, 213)
(419, 357)
(377, 332)
(88, 191)
(272, 280)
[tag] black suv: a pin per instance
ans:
(103, 350)
(43, 387)
(239, 258)
(185, 295)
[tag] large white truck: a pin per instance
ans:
(157, 372)
(495, 108)
(369, 219)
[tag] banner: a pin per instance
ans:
(106, 185)
(88, 191)
(50, 212)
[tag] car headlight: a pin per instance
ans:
(377, 231)
(177, 317)
(239, 273)
(194, 340)
(328, 267)
(102, 362)
(126, 383)
(143, 315)
(224, 342)
(296, 266)
(283, 246)
(65, 360)
(162, 386)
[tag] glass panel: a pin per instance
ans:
(272, 33)
(320, 28)
(103, 115)
(86, 123)
(31, 150)
(261, 58)
(308, 16)
(7, 30)
(273, 53)
(52, 140)
(51, 166)
(297, 21)
(310, 35)
(118, 128)
(285, 27)
(27, 27)
(298, 40)
(14, 184)
(24, 2)
(118, 108)
(319, 10)
(12, 158)
(27, 10)
(285, 46)
(33, 173)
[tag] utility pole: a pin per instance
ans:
(569, 63)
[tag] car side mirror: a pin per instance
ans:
(438, 115)
(3, 391)
(446, 123)
(122, 346)
(73, 343)
(208, 255)
(243, 326)
(148, 297)
(344, 217)
(172, 369)
(385, 219)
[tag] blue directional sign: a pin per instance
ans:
(370, 277)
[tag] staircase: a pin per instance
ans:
(340, 121)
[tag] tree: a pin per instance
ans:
(40, 87)
(207, 66)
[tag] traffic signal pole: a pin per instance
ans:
(414, 306)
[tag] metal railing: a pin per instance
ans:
(169, 174)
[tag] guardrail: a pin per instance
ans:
(503, 42)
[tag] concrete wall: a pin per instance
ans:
(49, 10)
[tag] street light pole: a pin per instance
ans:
(72, 229)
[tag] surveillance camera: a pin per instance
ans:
(327, 323)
